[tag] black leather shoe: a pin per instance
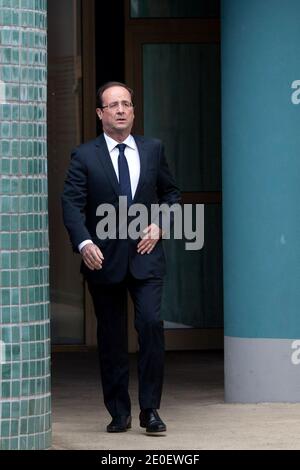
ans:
(119, 424)
(150, 420)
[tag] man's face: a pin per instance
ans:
(119, 118)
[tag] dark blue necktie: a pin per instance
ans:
(124, 176)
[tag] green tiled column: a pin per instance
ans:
(24, 307)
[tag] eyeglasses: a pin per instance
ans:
(115, 105)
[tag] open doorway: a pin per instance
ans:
(169, 53)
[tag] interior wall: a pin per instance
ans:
(110, 44)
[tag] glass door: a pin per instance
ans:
(173, 64)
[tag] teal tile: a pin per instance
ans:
(15, 73)
(32, 407)
(6, 334)
(15, 37)
(5, 428)
(24, 312)
(14, 223)
(15, 56)
(15, 333)
(25, 369)
(23, 443)
(14, 134)
(7, 17)
(6, 109)
(5, 130)
(5, 391)
(6, 374)
(31, 425)
(14, 108)
(6, 73)
(6, 318)
(24, 407)
(5, 296)
(15, 371)
(15, 18)
(6, 55)
(15, 145)
(5, 278)
(5, 410)
(14, 427)
(14, 243)
(15, 167)
(30, 443)
(14, 442)
(26, 333)
(24, 426)
(5, 223)
(25, 387)
(5, 185)
(14, 278)
(15, 314)
(15, 410)
(16, 352)
(4, 444)
(15, 389)
(5, 166)
(32, 387)
(25, 352)
(6, 146)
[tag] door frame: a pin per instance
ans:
(139, 31)
(89, 132)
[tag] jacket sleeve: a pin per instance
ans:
(167, 190)
(74, 200)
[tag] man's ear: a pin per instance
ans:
(99, 113)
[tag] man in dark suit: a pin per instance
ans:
(118, 164)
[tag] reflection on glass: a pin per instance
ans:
(175, 8)
(182, 107)
(193, 284)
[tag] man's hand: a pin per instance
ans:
(149, 240)
(92, 256)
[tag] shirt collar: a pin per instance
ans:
(112, 143)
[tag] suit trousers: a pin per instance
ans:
(110, 304)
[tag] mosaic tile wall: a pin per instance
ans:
(24, 309)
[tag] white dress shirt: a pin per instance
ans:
(133, 159)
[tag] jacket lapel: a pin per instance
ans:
(143, 154)
(103, 157)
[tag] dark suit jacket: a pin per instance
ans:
(91, 180)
